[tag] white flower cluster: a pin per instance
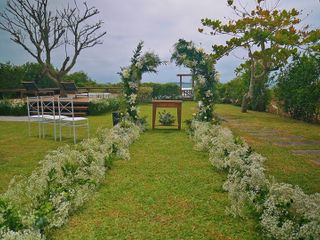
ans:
(125, 73)
(21, 235)
(133, 99)
(64, 181)
(286, 212)
(289, 213)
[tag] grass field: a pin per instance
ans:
(167, 190)
(281, 162)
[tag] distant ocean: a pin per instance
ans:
(185, 85)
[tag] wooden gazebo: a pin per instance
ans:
(186, 93)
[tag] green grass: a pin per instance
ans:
(20, 154)
(280, 163)
(166, 191)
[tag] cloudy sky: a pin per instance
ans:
(159, 24)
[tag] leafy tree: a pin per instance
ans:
(298, 88)
(10, 75)
(41, 31)
(81, 79)
(269, 35)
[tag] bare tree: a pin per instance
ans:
(40, 31)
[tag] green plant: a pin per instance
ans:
(163, 90)
(144, 94)
(101, 106)
(298, 88)
(13, 108)
(166, 118)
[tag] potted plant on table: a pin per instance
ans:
(166, 118)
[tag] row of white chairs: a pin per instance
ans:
(56, 111)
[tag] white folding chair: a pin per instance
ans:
(49, 116)
(34, 113)
(66, 108)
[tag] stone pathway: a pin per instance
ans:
(13, 119)
(280, 138)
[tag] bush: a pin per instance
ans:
(298, 88)
(13, 108)
(144, 94)
(159, 90)
(105, 105)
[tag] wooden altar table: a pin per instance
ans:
(166, 104)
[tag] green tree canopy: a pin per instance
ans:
(269, 35)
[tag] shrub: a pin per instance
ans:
(101, 106)
(144, 94)
(168, 90)
(15, 107)
(298, 88)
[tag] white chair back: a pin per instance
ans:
(47, 106)
(33, 105)
(65, 107)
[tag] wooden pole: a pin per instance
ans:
(181, 84)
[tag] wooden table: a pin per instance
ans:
(166, 104)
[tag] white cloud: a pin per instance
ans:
(159, 23)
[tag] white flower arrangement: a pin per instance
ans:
(133, 99)
(201, 79)
(125, 73)
(64, 181)
(286, 212)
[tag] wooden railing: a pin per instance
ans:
(21, 92)
(187, 93)
(101, 89)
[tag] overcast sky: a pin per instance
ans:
(159, 23)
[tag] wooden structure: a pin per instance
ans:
(166, 104)
(32, 88)
(185, 93)
(71, 88)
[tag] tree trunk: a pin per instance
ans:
(63, 93)
(248, 96)
(245, 102)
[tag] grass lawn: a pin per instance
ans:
(281, 162)
(167, 190)
(20, 154)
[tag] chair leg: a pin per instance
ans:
(88, 131)
(54, 130)
(60, 131)
(29, 128)
(74, 134)
(39, 129)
